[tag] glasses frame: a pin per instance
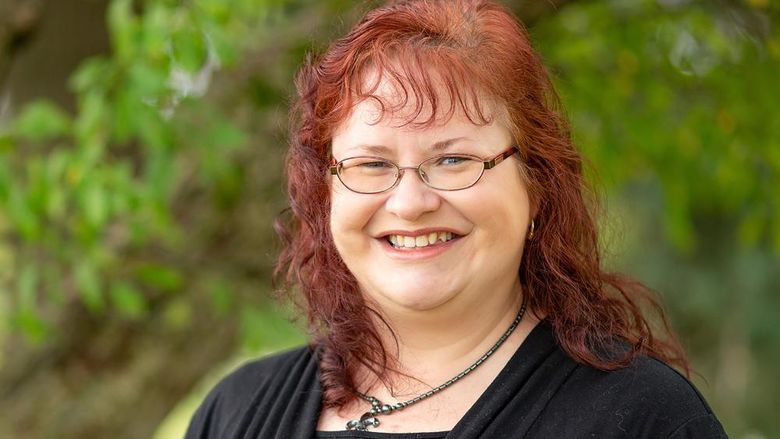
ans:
(486, 164)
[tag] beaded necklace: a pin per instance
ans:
(369, 418)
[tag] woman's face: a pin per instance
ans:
(488, 222)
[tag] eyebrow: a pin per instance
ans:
(382, 149)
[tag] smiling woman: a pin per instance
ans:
(468, 205)
(449, 294)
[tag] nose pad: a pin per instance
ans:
(424, 177)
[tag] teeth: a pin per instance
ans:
(402, 241)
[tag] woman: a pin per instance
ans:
(450, 294)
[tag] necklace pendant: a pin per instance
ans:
(367, 420)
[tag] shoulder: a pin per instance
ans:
(263, 372)
(252, 385)
(645, 399)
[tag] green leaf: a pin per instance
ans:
(189, 48)
(56, 166)
(156, 25)
(21, 215)
(219, 291)
(122, 25)
(88, 285)
(161, 277)
(267, 328)
(94, 201)
(127, 105)
(146, 81)
(92, 125)
(178, 314)
(40, 121)
(27, 286)
(225, 135)
(92, 74)
(128, 300)
(156, 134)
(31, 324)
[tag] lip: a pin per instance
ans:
(418, 232)
(416, 254)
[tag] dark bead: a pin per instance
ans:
(369, 420)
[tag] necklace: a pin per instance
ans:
(369, 418)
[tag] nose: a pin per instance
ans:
(412, 198)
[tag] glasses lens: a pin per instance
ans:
(452, 172)
(367, 174)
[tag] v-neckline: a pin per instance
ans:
(520, 366)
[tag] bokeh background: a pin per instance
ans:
(141, 147)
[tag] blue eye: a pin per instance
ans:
(450, 160)
(367, 166)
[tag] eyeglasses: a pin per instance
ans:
(447, 172)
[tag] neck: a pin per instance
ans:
(434, 345)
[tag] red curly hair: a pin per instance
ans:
(466, 49)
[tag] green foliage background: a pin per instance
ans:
(157, 194)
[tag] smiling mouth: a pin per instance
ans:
(427, 240)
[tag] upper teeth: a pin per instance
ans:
(419, 241)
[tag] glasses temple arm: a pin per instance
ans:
(501, 157)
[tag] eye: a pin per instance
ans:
(366, 166)
(450, 160)
(375, 165)
(366, 163)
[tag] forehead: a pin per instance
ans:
(367, 124)
(385, 109)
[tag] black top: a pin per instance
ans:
(540, 393)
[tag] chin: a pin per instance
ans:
(418, 299)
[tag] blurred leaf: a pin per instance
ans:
(156, 133)
(189, 48)
(88, 285)
(123, 27)
(221, 295)
(21, 215)
(27, 286)
(267, 327)
(161, 277)
(31, 325)
(91, 74)
(56, 165)
(41, 121)
(127, 105)
(147, 81)
(128, 300)
(178, 314)
(92, 125)
(157, 22)
(95, 204)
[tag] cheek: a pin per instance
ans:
(503, 210)
(349, 215)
